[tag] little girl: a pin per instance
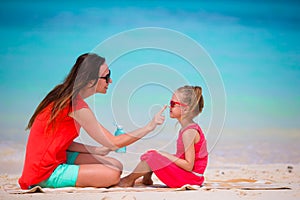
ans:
(189, 163)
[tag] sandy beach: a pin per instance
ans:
(238, 169)
(274, 175)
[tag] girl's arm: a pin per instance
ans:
(89, 123)
(83, 148)
(189, 137)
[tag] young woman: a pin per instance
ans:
(189, 163)
(53, 159)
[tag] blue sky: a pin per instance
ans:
(254, 45)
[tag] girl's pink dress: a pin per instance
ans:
(172, 175)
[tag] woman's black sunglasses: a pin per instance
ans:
(107, 77)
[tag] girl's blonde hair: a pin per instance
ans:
(191, 96)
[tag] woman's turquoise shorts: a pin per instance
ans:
(65, 175)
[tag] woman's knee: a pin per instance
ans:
(113, 163)
(114, 177)
(117, 164)
(114, 172)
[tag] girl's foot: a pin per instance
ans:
(147, 181)
(126, 182)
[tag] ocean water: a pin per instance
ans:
(254, 47)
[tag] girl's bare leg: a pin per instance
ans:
(141, 169)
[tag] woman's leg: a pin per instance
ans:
(97, 171)
(86, 158)
(141, 169)
(97, 175)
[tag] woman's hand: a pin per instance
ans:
(158, 119)
(102, 150)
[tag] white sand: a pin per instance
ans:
(277, 174)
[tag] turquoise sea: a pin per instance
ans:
(253, 46)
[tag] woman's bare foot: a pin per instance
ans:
(126, 182)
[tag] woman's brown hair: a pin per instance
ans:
(85, 69)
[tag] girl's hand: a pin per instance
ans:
(163, 153)
(158, 119)
(102, 151)
(150, 152)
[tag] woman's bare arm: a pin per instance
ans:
(86, 118)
